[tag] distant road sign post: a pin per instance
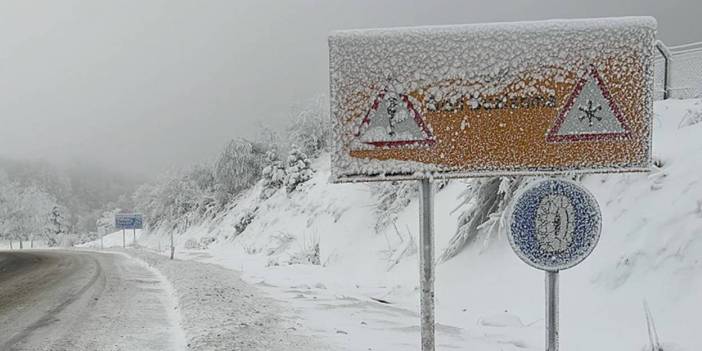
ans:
(129, 221)
(529, 98)
(132, 221)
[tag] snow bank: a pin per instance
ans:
(116, 239)
(170, 300)
(220, 312)
(318, 249)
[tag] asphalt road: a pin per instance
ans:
(78, 300)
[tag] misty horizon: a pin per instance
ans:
(147, 87)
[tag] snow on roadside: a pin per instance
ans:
(221, 312)
(171, 300)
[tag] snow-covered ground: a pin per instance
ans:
(487, 299)
(220, 312)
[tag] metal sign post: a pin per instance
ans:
(552, 311)
(124, 240)
(172, 246)
(134, 237)
(426, 263)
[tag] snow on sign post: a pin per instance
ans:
(528, 98)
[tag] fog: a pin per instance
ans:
(142, 86)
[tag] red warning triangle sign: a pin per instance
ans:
(589, 114)
(393, 121)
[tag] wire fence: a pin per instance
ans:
(685, 81)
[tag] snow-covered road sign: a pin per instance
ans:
(492, 99)
(392, 121)
(554, 224)
(129, 221)
(590, 113)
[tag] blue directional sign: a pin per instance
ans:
(554, 224)
(129, 221)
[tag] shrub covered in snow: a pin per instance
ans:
(692, 116)
(298, 169)
(393, 197)
(244, 221)
(273, 175)
(202, 244)
(484, 203)
(309, 255)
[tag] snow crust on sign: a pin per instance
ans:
(554, 224)
(467, 60)
(391, 121)
(601, 120)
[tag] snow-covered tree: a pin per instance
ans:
(57, 226)
(273, 174)
(106, 222)
(309, 128)
(23, 211)
(37, 206)
(239, 166)
(298, 169)
(393, 197)
(178, 198)
(484, 204)
(9, 200)
(84, 190)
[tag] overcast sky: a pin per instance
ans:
(145, 85)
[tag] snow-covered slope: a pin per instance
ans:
(650, 250)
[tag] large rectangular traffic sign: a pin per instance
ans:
(496, 99)
(129, 221)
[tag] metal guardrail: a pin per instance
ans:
(678, 71)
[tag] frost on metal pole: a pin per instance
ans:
(554, 225)
(551, 311)
(667, 68)
(527, 98)
(426, 263)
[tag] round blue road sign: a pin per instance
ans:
(554, 224)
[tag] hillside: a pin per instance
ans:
(333, 251)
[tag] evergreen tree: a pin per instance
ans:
(57, 226)
(273, 175)
(298, 169)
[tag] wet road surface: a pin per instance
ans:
(80, 300)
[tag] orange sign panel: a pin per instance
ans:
(495, 99)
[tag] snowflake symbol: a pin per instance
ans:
(590, 112)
